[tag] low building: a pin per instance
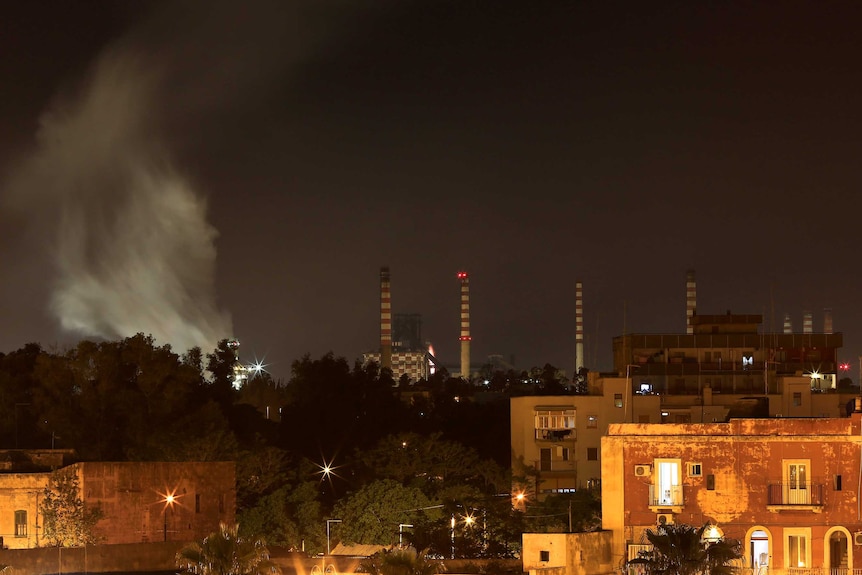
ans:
(786, 488)
(133, 497)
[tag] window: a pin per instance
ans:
(555, 423)
(592, 453)
(710, 482)
(694, 469)
(564, 453)
(20, 523)
(197, 502)
(797, 399)
(618, 400)
(797, 488)
(747, 360)
(797, 551)
(544, 556)
(545, 459)
(836, 483)
(592, 421)
(667, 489)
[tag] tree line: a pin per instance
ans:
(384, 463)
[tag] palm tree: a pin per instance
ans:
(682, 550)
(225, 552)
(402, 562)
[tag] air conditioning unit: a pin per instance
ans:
(664, 519)
(643, 470)
(857, 538)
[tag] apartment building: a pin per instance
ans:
(788, 489)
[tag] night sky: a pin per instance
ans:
(214, 169)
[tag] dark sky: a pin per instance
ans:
(532, 144)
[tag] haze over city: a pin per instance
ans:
(202, 170)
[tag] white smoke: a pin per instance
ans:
(132, 247)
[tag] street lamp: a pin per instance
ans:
(401, 533)
(328, 522)
(169, 501)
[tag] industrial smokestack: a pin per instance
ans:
(827, 320)
(807, 322)
(690, 301)
(579, 327)
(788, 324)
(385, 320)
(465, 325)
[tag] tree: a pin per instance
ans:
(372, 514)
(225, 552)
(682, 550)
(66, 520)
(402, 562)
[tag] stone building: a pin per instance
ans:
(788, 489)
(133, 497)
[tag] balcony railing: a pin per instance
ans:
(822, 571)
(802, 494)
(555, 434)
(671, 497)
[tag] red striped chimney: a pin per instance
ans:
(788, 324)
(579, 326)
(385, 320)
(827, 320)
(465, 325)
(690, 300)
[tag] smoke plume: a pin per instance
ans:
(132, 248)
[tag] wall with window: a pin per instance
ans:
(20, 494)
(791, 477)
(567, 553)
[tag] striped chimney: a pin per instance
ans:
(788, 325)
(465, 325)
(690, 300)
(385, 320)
(579, 326)
(827, 320)
(807, 322)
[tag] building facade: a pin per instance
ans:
(134, 499)
(788, 489)
(723, 369)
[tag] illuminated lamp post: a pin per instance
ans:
(169, 501)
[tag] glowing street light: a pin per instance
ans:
(169, 501)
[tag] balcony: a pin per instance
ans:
(795, 497)
(669, 500)
(555, 435)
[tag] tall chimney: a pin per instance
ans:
(385, 320)
(788, 325)
(827, 320)
(579, 326)
(690, 300)
(807, 322)
(465, 325)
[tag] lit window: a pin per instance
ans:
(797, 551)
(797, 399)
(592, 421)
(618, 400)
